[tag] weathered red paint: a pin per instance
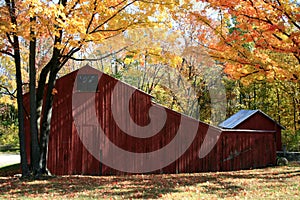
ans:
(235, 149)
(260, 122)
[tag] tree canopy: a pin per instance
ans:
(254, 38)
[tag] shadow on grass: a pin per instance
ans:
(221, 184)
(134, 186)
(10, 170)
(263, 174)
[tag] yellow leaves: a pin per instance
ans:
(59, 46)
(244, 71)
(86, 20)
(35, 7)
(175, 61)
(260, 77)
(12, 84)
(7, 85)
(5, 99)
(283, 36)
(128, 60)
(6, 26)
(73, 43)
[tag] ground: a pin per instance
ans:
(271, 183)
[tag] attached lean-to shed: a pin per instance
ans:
(254, 120)
(219, 149)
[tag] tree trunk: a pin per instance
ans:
(278, 104)
(53, 66)
(17, 58)
(24, 164)
(40, 92)
(35, 150)
(294, 115)
(46, 122)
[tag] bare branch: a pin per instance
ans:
(9, 39)
(155, 2)
(96, 59)
(7, 53)
(112, 7)
(8, 92)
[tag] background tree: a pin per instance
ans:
(257, 42)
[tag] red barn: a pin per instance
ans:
(254, 120)
(103, 126)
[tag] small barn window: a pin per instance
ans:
(87, 82)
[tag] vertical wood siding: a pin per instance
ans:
(257, 121)
(235, 149)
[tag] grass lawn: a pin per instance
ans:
(267, 183)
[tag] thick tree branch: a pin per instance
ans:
(7, 53)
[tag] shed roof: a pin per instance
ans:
(241, 116)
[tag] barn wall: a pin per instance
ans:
(244, 149)
(234, 150)
(27, 124)
(260, 122)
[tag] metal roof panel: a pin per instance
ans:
(237, 118)
(241, 116)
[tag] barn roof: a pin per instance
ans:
(241, 116)
(88, 69)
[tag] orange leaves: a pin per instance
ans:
(255, 33)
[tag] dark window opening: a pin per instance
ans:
(87, 82)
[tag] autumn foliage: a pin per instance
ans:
(259, 38)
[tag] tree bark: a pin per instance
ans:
(46, 121)
(40, 92)
(24, 164)
(35, 149)
(17, 58)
